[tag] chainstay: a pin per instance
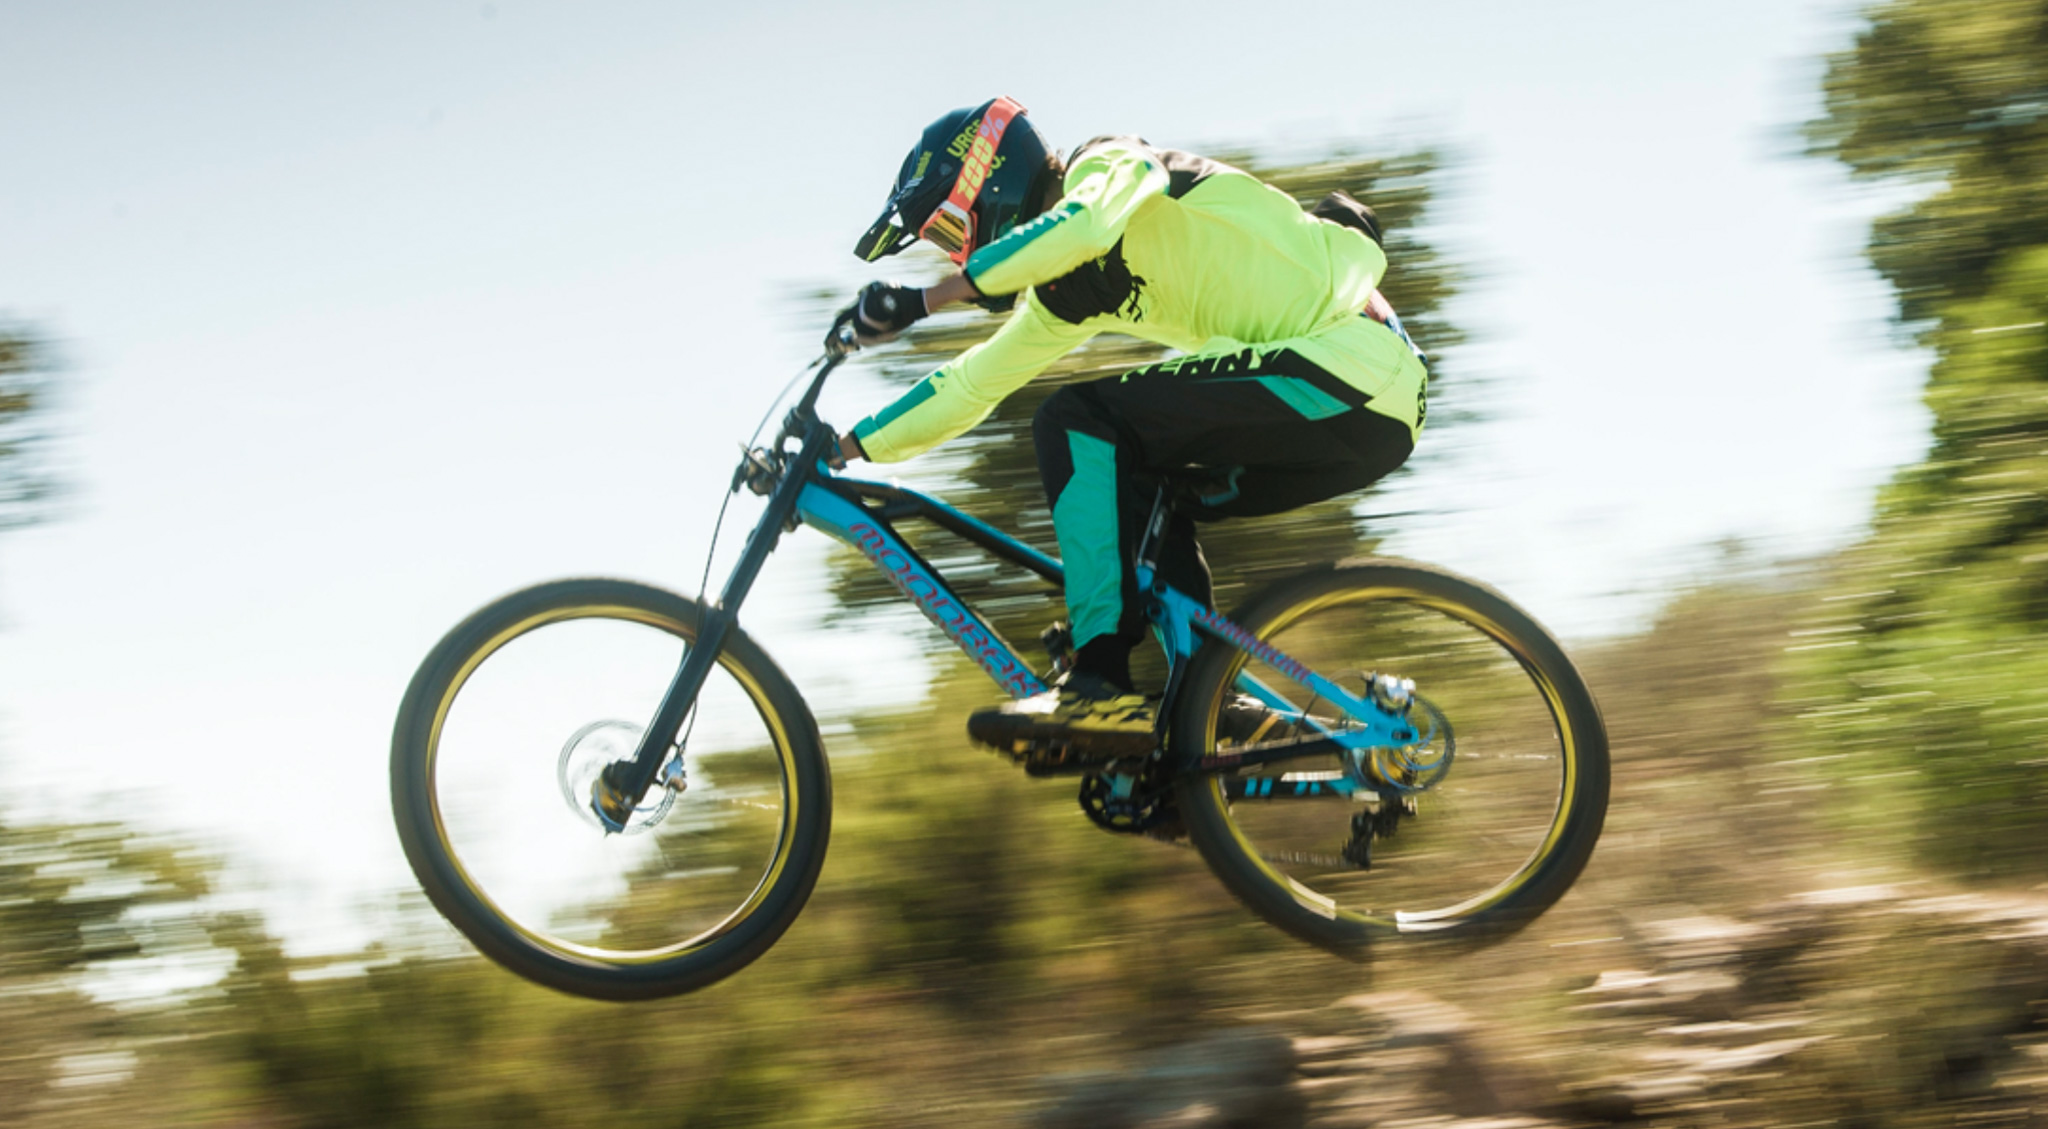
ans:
(1297, 858)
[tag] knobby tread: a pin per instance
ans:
(1208, 822)
(578, 974)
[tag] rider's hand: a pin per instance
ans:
(848, 450)
(879, 313)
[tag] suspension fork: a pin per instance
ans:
(632, 778)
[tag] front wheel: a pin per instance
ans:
(501, 739)
(1478, 826)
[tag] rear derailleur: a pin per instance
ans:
(1381, 823)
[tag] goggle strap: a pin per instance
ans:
(979, 161)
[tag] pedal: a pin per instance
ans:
(1057, 758)
(1061, 757)
(1046, 748)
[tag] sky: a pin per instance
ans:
(374, 311)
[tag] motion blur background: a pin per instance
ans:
(321, 325)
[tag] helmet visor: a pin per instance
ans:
(885, 238)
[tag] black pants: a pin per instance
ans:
(1274, 430)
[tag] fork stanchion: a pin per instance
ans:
(632, 778)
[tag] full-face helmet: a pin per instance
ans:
(965, 183)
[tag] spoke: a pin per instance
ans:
(1478, 822)
(528, 736)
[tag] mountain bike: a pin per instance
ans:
(612, 791)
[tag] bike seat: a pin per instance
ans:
(1193, 487)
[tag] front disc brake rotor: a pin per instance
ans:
(593, 748)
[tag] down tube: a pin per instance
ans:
(844, 521)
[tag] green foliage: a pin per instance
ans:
(1923, 665)
(972, 945)
(92, 914)
(969, 922)
(1949, 97)
(992, 471)
(26, 369)
(972, 932)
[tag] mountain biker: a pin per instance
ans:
(1296, 381)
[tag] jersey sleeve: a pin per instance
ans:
(965, 390)
(1104, 189)
(1357, 264)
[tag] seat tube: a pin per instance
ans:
(1155, 532)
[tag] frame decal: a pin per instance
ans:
(845, 521)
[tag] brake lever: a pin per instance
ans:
(755, 472)
(740, 472)
(841, 341)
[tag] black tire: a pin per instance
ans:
(791, 827)
(1444, 624)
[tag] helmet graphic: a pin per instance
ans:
(965, 183)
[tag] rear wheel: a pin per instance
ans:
(500, 740)
(1492, 811)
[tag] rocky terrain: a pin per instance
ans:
(1851, 1006)
(1732, 957)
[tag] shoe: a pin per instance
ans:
(1084, 714)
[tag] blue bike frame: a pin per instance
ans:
(834, 512)
(825, 505)
(803, 488)
(833, 505)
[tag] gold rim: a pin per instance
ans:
(785, 752)
(1404, 921)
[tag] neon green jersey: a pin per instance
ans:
(1168, 247)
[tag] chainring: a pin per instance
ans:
(1127, 804)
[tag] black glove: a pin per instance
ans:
(882, 311)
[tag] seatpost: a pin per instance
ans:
(1155, 530)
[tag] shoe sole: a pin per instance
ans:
(1018, 736)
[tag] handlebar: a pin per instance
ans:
(839, 345)
(805, 409)
(761, 467)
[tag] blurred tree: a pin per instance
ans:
(100, 932)
(964, 933)
(26, 368)
(1925, 663)
(992, 472)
